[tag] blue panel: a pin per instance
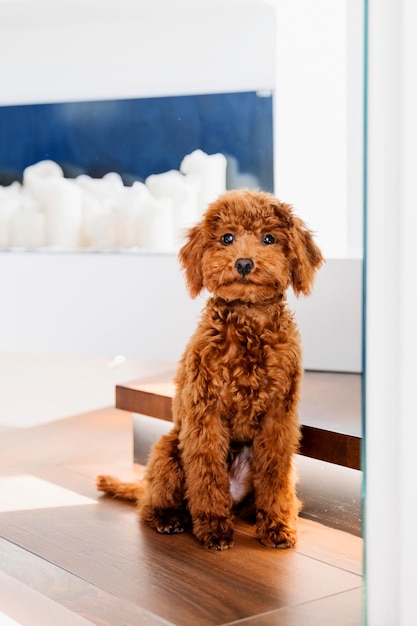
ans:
(139, 137)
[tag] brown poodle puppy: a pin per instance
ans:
(235, 416)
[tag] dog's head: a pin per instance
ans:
(249, 246)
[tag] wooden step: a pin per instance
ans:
(330, 411)
(83, 558)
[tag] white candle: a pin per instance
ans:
(28, 227)
(183, 192)
(104, 189)
(102, 224)
(128, 214)
(36, 176)
(156, 224)
(62, 204)
(98, 228)
(211, 170)
(9, 204)
(91, 230)
(114, 181)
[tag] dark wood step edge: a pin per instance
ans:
(316, 443)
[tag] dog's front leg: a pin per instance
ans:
(204, 451)
(162, 504)
(277, 505)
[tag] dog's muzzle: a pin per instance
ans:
(244, 266)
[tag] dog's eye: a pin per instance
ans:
(227, 239)
(268, 240)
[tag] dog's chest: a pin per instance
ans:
(241, 355)
(241, 376)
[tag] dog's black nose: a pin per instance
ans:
(244, 266)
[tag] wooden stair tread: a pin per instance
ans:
(166, 577)
(330, 411)
(94, 561)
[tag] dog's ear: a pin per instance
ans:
(190, 257)
(307, 257)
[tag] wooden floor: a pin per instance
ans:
(71, 556)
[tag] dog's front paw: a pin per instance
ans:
(168, 521)
(215, 533)
(275, 534)
(279, 537)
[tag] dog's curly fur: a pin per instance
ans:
(235, 416)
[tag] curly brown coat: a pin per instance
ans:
(235, 413)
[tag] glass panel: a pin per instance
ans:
(365, 182)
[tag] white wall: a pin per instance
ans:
(391, 331)
(136, 305)
(330, 319)
(319, 118)
(95, 304)
(82, 50)
(311, 116)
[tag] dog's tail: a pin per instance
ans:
(115, 487)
